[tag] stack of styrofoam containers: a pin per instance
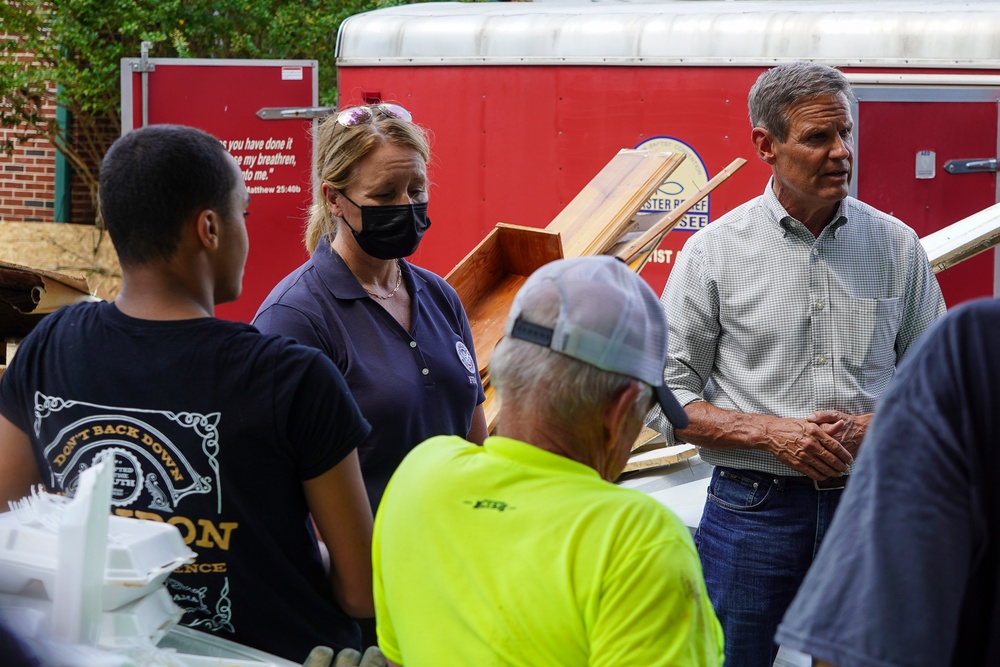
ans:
(84, 588)
(136, 609)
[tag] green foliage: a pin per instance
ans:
(78, 44)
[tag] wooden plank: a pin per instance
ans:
(648, 439)
(963, 239)
(479, 271)
(656, 458)
(592, 221)
(488, 315)
(622, 219)
(491, 406)
(488, 278)
(525, 249)
(642, 246)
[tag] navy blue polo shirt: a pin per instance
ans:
(409, 385)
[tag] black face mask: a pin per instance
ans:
(391, 232)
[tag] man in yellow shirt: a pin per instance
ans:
(521, 552)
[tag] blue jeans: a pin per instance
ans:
(757, 537)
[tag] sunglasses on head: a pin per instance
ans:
(366, 114)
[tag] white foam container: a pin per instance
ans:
(143, 622)
(140, 623)
(141, 554)
(176, 646)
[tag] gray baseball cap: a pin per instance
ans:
(608, 317)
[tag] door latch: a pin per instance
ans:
(971, 166)
(283, 113)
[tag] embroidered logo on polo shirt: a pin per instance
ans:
(465, 356)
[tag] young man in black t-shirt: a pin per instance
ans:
(235, 437)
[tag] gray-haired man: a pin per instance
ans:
(520, 550)
(788, 317)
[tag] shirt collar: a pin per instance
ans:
(527, 454)
(337, 276)
(780, 216)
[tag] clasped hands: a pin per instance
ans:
(821, 446)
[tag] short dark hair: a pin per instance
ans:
(780, 87)
(153, 180)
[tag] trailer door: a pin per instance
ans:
(927, 155)
(225, 98)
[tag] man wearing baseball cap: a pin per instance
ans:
(521, 552)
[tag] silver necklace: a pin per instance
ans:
(399, 281)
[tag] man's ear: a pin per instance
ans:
(763, 142)
(618, 413)
(330, 200)
(620, 429)
(207, 228)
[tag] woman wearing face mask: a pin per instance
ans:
(397, 332)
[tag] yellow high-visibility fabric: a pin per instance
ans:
(507, 554)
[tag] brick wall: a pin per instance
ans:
(81, 207)
(82, 210)
(28, 184)
(28, 180)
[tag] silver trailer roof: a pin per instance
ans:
(681, 32)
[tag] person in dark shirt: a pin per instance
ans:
(398, 332)
(908, 574)
(235, 437)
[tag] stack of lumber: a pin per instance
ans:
(488, 277)
(636, 249)
(603, 211)
(593, 223)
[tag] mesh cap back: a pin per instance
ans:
(608, 317)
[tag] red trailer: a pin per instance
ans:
(528, 101)
(241, 102)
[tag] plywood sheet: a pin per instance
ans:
(75, 250)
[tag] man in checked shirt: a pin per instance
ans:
(788, 316)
